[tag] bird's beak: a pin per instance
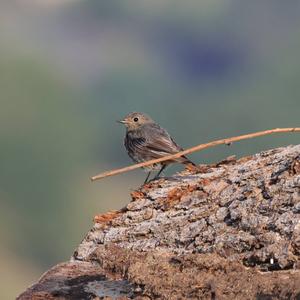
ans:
(121, 121)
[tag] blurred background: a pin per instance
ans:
(68, 69)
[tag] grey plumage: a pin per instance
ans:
(146, 140)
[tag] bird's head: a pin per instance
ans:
(135, 120)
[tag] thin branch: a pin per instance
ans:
(193, 149)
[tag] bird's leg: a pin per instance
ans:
(146, 180)
(161, 169)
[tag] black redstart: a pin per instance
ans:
(146, 140)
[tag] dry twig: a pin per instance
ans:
(193, 149)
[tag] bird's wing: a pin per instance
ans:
(160, 142)
(150, 147)
(155, 142)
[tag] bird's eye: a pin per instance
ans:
(135, 119)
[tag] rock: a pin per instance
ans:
(231, 232)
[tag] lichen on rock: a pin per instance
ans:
(229, 231)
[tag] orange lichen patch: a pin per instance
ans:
(191, 188)
(107, 217)
(175, 195)
(150, 186)
(136, 195)
(198, 169)
(204, 182)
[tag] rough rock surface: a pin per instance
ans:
(230, 231)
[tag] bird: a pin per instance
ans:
(146, 140)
